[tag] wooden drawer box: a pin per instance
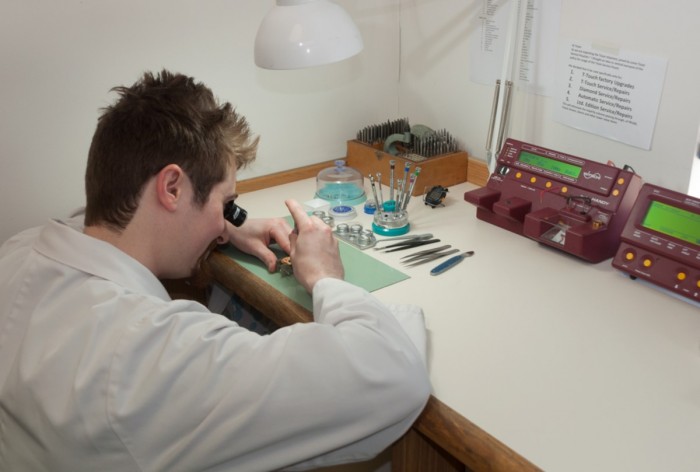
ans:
(444, 169)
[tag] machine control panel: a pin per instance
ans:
(661, 241)
(563, 168)
(573, 204)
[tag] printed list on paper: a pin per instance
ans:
(612, 94)
(534, 49)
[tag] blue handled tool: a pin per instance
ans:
(450, 263)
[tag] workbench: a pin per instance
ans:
(538, 360)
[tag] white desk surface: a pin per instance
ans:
(573, 365)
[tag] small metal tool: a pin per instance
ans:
(419, 254)
(392, 164)
(429, 255)
(374, 189)
(450, 263)
(432, 257)
(399, 183)
(408, 245)
(416, 237)
(412, 185)
(404, 185)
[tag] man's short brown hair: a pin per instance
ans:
(162, 119)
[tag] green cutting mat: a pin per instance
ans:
(360, 269)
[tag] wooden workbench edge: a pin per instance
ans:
(477, 173)
(468, 443)
(263, 297)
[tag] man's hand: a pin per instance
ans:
(314, 250)
(255, 236)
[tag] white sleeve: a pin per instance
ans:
(202, 393)
(412, 320)
(329, 300)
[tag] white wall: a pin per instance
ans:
(59, 59)
(435, 87)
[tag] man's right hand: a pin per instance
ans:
(314, 250)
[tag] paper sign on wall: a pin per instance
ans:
(612, 94)
(535, 50)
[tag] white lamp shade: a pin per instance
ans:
(305, 33)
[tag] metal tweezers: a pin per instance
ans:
(409, 244)
(404, 239)
(421, 257)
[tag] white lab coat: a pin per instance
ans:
(101, 370)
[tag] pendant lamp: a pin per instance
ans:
(304, 33)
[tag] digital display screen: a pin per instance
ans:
(559, 167)
(673, 221)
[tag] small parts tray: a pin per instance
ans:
(355, 235)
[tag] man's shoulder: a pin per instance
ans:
(21, 240)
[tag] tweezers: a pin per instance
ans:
(421, 254)
(427, 256)
(408, 245)
(404, 239)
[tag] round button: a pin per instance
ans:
(533, 180)
(548, 185)
(621, 181)
(615, 192)
(629, 256)
(564, 189)
(646, 262)
(518, 175)
(681, 276)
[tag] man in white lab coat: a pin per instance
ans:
(101, 370)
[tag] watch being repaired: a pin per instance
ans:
(284, 266)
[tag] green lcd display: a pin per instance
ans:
(673, 221)
(562, 168)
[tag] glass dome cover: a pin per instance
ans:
(341, 185)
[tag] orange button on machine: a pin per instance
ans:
(621, 181)
(646, 262)
(615, 192)
(629, 255)
(533, 180)
(681, 276)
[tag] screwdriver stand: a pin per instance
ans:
(390, 223)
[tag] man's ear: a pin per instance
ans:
(169, 186)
